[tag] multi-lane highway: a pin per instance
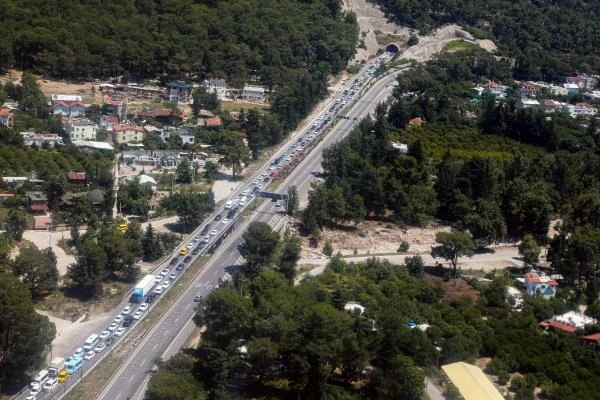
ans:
(177, 320)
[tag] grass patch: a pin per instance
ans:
(235, 106)
(95, 381)
(458, 45)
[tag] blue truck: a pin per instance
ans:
(142, 289)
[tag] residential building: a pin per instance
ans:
(68, 106)
(216, 85)
(494, 89)
(592, 340)
(582, 81)
(40, 139)
(6, 117)
(81, 129)
(593, 95)
(37, 202)
(558, 90)
(580, 109)
(568, 322)
(471, 382)
(179, 92)
(115, 106)
(571, 88)
(5, 196)
(91, 146)
(128, 133)
(550, 106)
(77, 177)
(253, 93)
(108, 121)
(524, 103)
(528, 91)
(212, 122)
(540, 284)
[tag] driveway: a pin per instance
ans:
(45, 239)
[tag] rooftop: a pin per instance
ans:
(95, 145)
(127, 128)
(534, 277)
(471, 382)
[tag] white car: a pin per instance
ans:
(89, 355)
(158, 290)
(158, 278)
(137, 315)
(198, 237)
(190, 245)
(104, 334)
(118, 319)
(78, 353)
(30, 397)
(143, 307)
(225, 221)
(120, 332)
(165, 284)
(50, 385)
(35, 390)
(213, 232)
(99, 347)
(173, 276)
(113, 327)
(164, 272)
(126, 310)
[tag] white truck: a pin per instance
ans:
(56, 365)
(142, 289)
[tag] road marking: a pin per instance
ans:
(188, 306)
(130, 379)
(119, 395)
(165, 334)
(144, 362)
(155, 346)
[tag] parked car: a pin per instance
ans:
(174, 260)
(218, 217)
(196, 250)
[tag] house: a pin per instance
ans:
(6, 117)
(108, 121)
(550, 106)
(68, 106)
(528, 90)
(593, 95)
(557, 90)
(216, 85)
(494, 89)
(253, 93)
(524, 103)
(115, 106)
(41, 139)
(580, 109)
(81, 129)
(569, 322)
(37, 202)
(212, 122)
(539, 284)
(471, 382)
(91, 146)
(179, 92)
(6, 196)
(571, 88)
(128, 133)
(354, 308)
(77, 177)
(401, 147)
(514, 297)
(592, 340)
(143, 91)
(582, 81)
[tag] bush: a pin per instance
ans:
(404, 246)
(328, 249)
(412, 40)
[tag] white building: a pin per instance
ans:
(580, 109)
(253, 93)
(524, 103)
(82, 129)
(39, 139)
(216, 85)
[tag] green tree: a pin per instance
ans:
(234, 151)
(452, 246)
(328, 248)
(211, 171)
(486, 223)
(6, 244)
(290, 254)
(25, 333)
(151, 245)
(293, 201)
(529, 250)
(37, 270)
(134, 198)
(415, 265)
(191, 207)
(202, 99)
(87, 273)
(16, 223)
(260, 243)
(184, 172)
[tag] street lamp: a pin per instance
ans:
(439, 350)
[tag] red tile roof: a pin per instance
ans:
(558, 325)
(7, 195)
(533, 277)
(113, 102)
(5, 112)
(594, 337)
(118, 128)
(38, 207)
(77, 176)
(215, 121)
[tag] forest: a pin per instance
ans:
(289, 46)
(547, 40)
(267, 338)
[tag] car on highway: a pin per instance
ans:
(126, 310)
(79, 352)
(213, 232)
(189, 258)
(158, 290)
(143, 307)
(104, 334)
(137, 315)
(196, 250)
(151, 298)
(174, 261)
(120, 332)
(89, 355)
(190, 245)
(173, 276)
(225, 221)
(165, 284)
(50, 385)
(205, 229)
(158, 278)
(109, 341)
(198, 297)
(165, 272)
(113, 327)
(197, 238)
(218, 217)
(179, 267)
(35, 390)
(30, 397)
(118, 319)
(100, 347)
(183, 251)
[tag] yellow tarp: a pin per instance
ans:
(471, 382)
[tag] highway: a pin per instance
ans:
(134, 370)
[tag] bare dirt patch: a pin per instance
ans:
(454, 289)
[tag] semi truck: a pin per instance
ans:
(56, 365)
(142, 289)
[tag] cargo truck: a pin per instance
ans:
(142, 289)
(56, 365)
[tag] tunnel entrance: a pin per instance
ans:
(392, 48)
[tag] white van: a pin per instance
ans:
(40, 378)
(243, 201)
(50, 385)
(90, 342)
(229, 204)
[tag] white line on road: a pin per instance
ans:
(119, 395)
(155, 346)
(130, 379)
(188, 306)
(144, 362)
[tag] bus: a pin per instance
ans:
(74, 365)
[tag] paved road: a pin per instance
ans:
(134, 371)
